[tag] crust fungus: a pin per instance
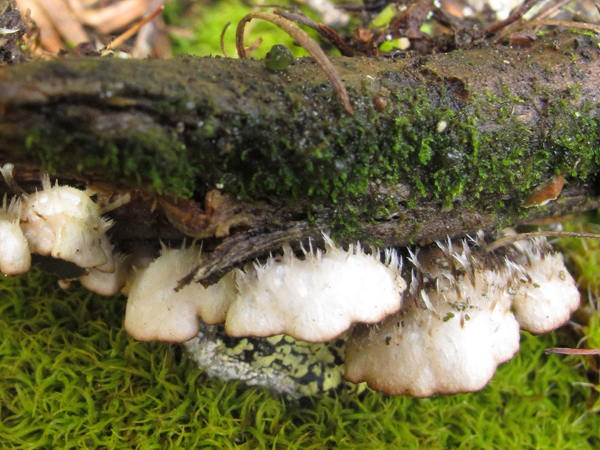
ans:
(290, 367)
(318, 298)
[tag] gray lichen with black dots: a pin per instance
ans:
(281, 363)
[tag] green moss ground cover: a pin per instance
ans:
(70, 377)
(207, 18)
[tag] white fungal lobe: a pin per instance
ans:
(108, 282)
(421, 353)
(315, 299)
(450, 343)
(65, 223)
(457, 325)
(15, 257)
(453, 328)
(156, 311)
(546, 294)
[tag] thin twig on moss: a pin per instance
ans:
(516, 15)
(522, 236)
(222, 40)
(572, 351)
(305, 41)
(326, 31)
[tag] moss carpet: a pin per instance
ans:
(71, 378)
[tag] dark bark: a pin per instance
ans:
(439, 145)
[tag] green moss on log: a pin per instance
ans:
(441, 127)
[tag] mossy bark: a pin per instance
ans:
(437, 145)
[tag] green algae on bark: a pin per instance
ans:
(475, 129)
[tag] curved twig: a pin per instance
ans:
(119, 40)
(522, 236)
(222, 36)
(305, 41)
(326, 31)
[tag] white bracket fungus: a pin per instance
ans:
(108, 282)
(457, 326)
(458, 321)
(315, 299)
(318, 298)
(546, 294)
(451, 343)
(64, 222)
(15, 257)
(157, 311)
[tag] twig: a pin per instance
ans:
(149, 37)
(305, 41)
(572, 351)
(119, 40)
(526, 6)
(222, 39)
(567, 23)
(253, 46)
(550, 8)
(324, 30)
(522, 236)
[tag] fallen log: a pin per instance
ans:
(250, 158)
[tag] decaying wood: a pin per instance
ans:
(439, 145)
